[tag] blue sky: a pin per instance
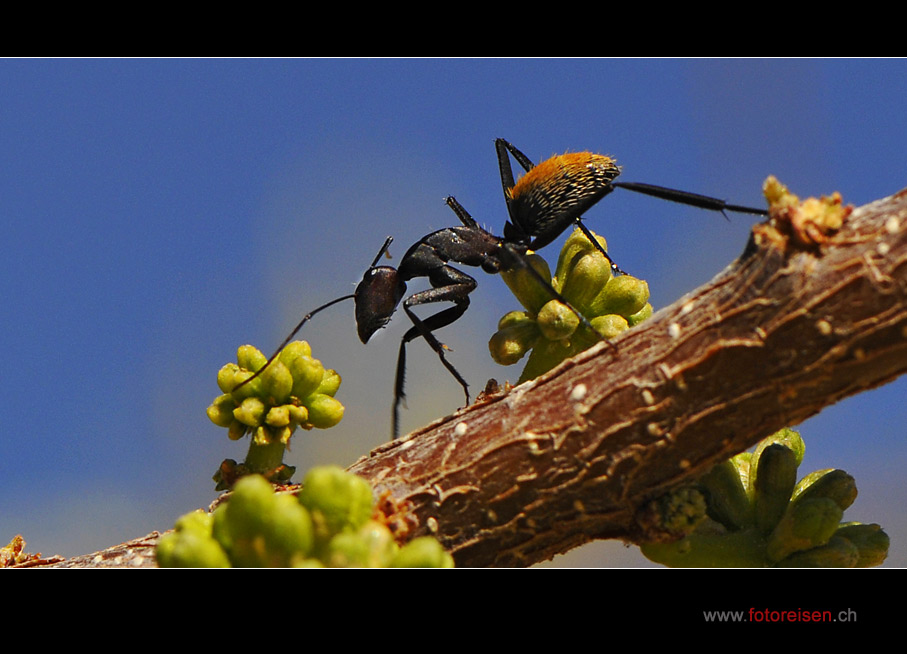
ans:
(159, 213)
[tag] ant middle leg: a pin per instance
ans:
(456, 292)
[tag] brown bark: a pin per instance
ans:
(573, 456)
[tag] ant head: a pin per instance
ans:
(377, 297)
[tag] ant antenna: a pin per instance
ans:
(309, 316)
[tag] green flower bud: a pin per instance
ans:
(639, 316)
(371, 546)
(330, 383)
(198, 520)
(870, 540)
(278, 416)
(517, 334)
(610, 325)
(221, 411)
(264, 529)
(250, 358)
(262, 436)
(525, 286)
(836, 485)
(423, 552)
(226, 377)
(190, 549)
(773, 483)
(324, 411)
(251, 412)
(277, 382)
(545, 356)
(342, 500)
(237, 430)
(836, 553)
(298, 414)
(624, 295)
(556, 321)
(807, 524)
(575, 247)
(307, 375)
(293, 350)
(710, 546)
(728, 502)
(252, 389)
(788, 437)
(583, 277)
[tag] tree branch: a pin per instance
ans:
(574, 455)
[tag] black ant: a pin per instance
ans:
(545, 201)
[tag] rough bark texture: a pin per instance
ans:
(573, 456)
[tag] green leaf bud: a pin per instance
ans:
(251, 412)
(277, 382)
(836, 485)
(556, 321)
(836, 553)
(221, 411)
(250, 358)
(190, 549)
(774, 481)
(324, 411)
(624, 295)
(525, 286)
(423, 552)
(728, 502)
(870, 540)
(807, 524)
(278, 416)
(307, 375)
(342, 500)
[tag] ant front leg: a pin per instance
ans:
(457, 288)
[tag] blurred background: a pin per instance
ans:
(159, 213)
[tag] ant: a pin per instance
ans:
(383, 287)
(541, 206)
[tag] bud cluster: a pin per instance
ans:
(547, 326)
(294, 391)
(759, 515)
(332, 522)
